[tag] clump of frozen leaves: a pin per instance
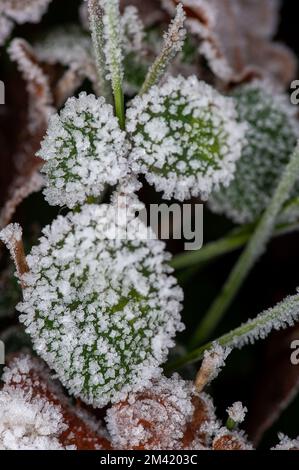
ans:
(26, 421)
(20, 11)
(84, 150)
(185, 137)
(271, 137)
(91, 267)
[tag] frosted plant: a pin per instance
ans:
(185, 138)
(90, 268)
(230, 440)
(84, 150)
(271, 137)
(6, 27)
(169, 414)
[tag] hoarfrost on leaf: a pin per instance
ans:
(271, 138)
(100, 303)
(286, 443)
(185, 138)
(84, 150)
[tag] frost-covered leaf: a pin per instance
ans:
(167, 415)
(185, 138)
(84, 150)
(271, 137)
(236, 38)
(37, 415)
(90, 268)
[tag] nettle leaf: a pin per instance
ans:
(84, 150)
(185, 137)
(271, 138)
(99, 303)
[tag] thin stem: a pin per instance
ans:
(282, 315)
(97, 35)
(173, 43)
(252, 252)
(113, 54)
(233, 241)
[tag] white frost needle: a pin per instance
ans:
(173, 43)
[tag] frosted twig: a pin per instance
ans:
(111, 21)
(11, 236)
(97, 34)
(252, 252)
(173, 43)
(281, 316)
(214, 360)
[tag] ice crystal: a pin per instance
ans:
(23, 11)
(173, 43)
(237, 412)
(169, 414)
(99, 302)
(84, 150)
(271, 137)
(286, 443)
(185, 137)
(27, 422)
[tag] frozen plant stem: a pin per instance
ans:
(233, 241)
(172, 45)
(113, 54)
(282, 315)
(97, 35)
(252, 252)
